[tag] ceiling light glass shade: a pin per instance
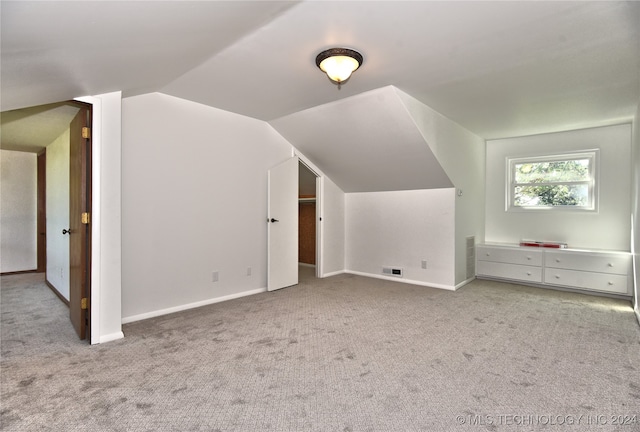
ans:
(339, 63)
(339, 68)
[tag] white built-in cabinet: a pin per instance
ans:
(600, 271)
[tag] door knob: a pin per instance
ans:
(66, 231)
(274, 220)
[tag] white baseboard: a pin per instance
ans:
(335, 273)
(403, 280)
(463, 283)
(111, 337)
(184, 307)
(637, 311)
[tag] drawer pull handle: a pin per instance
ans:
(610, 283)
(557, 276)
(557, 260)
(528, 273)
(528, 257)
(610, 265)
(488, 254)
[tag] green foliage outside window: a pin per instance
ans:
(552, 183)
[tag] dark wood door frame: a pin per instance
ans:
(41, 266)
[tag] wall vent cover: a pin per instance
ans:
(392, 271)
(471, 257)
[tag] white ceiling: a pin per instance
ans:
(498, 68)
(396, 157)
(32, 129)
(58, 50)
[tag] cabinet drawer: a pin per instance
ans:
(612, 283)
(592, 262)
(509, 271)
(530, 257)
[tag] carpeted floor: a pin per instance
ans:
(345, 353)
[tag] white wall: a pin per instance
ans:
(194, 201)
(18, 211)
(401, 229)
(333, 225)
(462, 156)
(58, 213)
(606, 229)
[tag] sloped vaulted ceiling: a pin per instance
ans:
(497, 68)
(59, 50)
(365, 143)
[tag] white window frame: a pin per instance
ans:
(593, 181)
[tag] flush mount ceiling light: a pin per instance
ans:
(339, 63)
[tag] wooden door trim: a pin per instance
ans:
(41, 229)
(80, 202)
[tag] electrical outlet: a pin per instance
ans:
(214, 276)
(248, 271)
(424, 264)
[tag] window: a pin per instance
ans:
(555, 182)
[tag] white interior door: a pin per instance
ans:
(282, 215)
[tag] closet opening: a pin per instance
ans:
(307, 223)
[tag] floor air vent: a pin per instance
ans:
(392, 271)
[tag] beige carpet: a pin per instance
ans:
(345, 353)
